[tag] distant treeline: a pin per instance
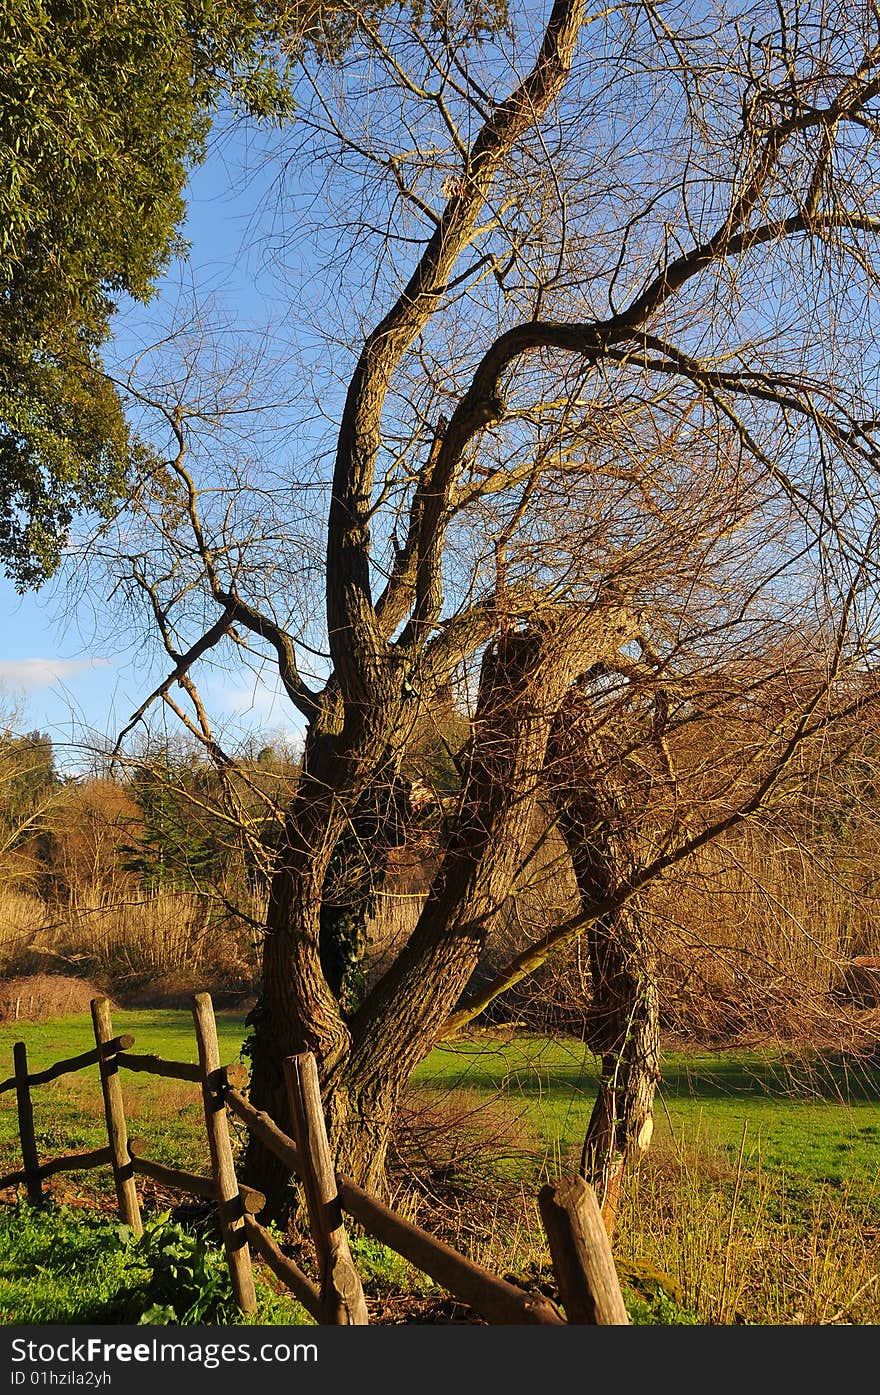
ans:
(166, 820)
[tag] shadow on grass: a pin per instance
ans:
(536, 1067)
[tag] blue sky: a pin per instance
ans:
(63, 667)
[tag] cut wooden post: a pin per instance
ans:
(114, 1112)
(581, 1253)
(231, 1210)
(29, 1156)
(342, 1296)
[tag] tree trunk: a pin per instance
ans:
(297, 1010)
(366, 1056)
(623, 1030)
(623, 1021)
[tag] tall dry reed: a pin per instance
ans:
(134, 938)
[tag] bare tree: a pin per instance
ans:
(598, 360)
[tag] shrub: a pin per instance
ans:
(188, 1280)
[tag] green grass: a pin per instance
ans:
(68, 1112)
(760, 1197)
(759, 1201)
(815, 1123)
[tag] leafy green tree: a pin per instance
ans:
(104, 109)
(198, 828)
(29, 770)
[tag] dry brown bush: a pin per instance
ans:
(91, 823)
(39, 997)
(753, 935)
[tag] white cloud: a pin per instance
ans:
(43, 673)
(256, 699)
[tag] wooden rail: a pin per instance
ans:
(494, 1298)
(69, 1162)
(154, 1065)
(172, 1070)
(266, 1130)
(235, 1204)
(283, 1267)
(587, 1279)
(72, 1063)
(253, 1201)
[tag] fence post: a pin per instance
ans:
(29, 1156)
(231, 1209)
(342, 1296)
(114, 1112)
(581, 1253)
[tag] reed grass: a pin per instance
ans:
(117, 942)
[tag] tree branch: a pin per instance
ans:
(356, 640)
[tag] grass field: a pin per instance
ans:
(763, 1167)
(68, 1112)
(813, 1125)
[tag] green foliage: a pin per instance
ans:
(188, 1278)
(200, 829)
(27, 773)
(58, 1264)
(66, 1264)
(104, 109)
(656, 1310)
(652, 1298)
(355, 876)
(28, 782)
(383, 1270)
(179, 844)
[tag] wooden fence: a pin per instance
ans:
(586, 1277)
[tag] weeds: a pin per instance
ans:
(187, 1277)
(66, 1264)
(744, 1246)
(384, 1271)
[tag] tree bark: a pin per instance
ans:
(309, 962)
(623, 1030)
(623, 1020)
(366, 1057)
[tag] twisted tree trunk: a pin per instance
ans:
(366, 1055)
(623, 1020)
